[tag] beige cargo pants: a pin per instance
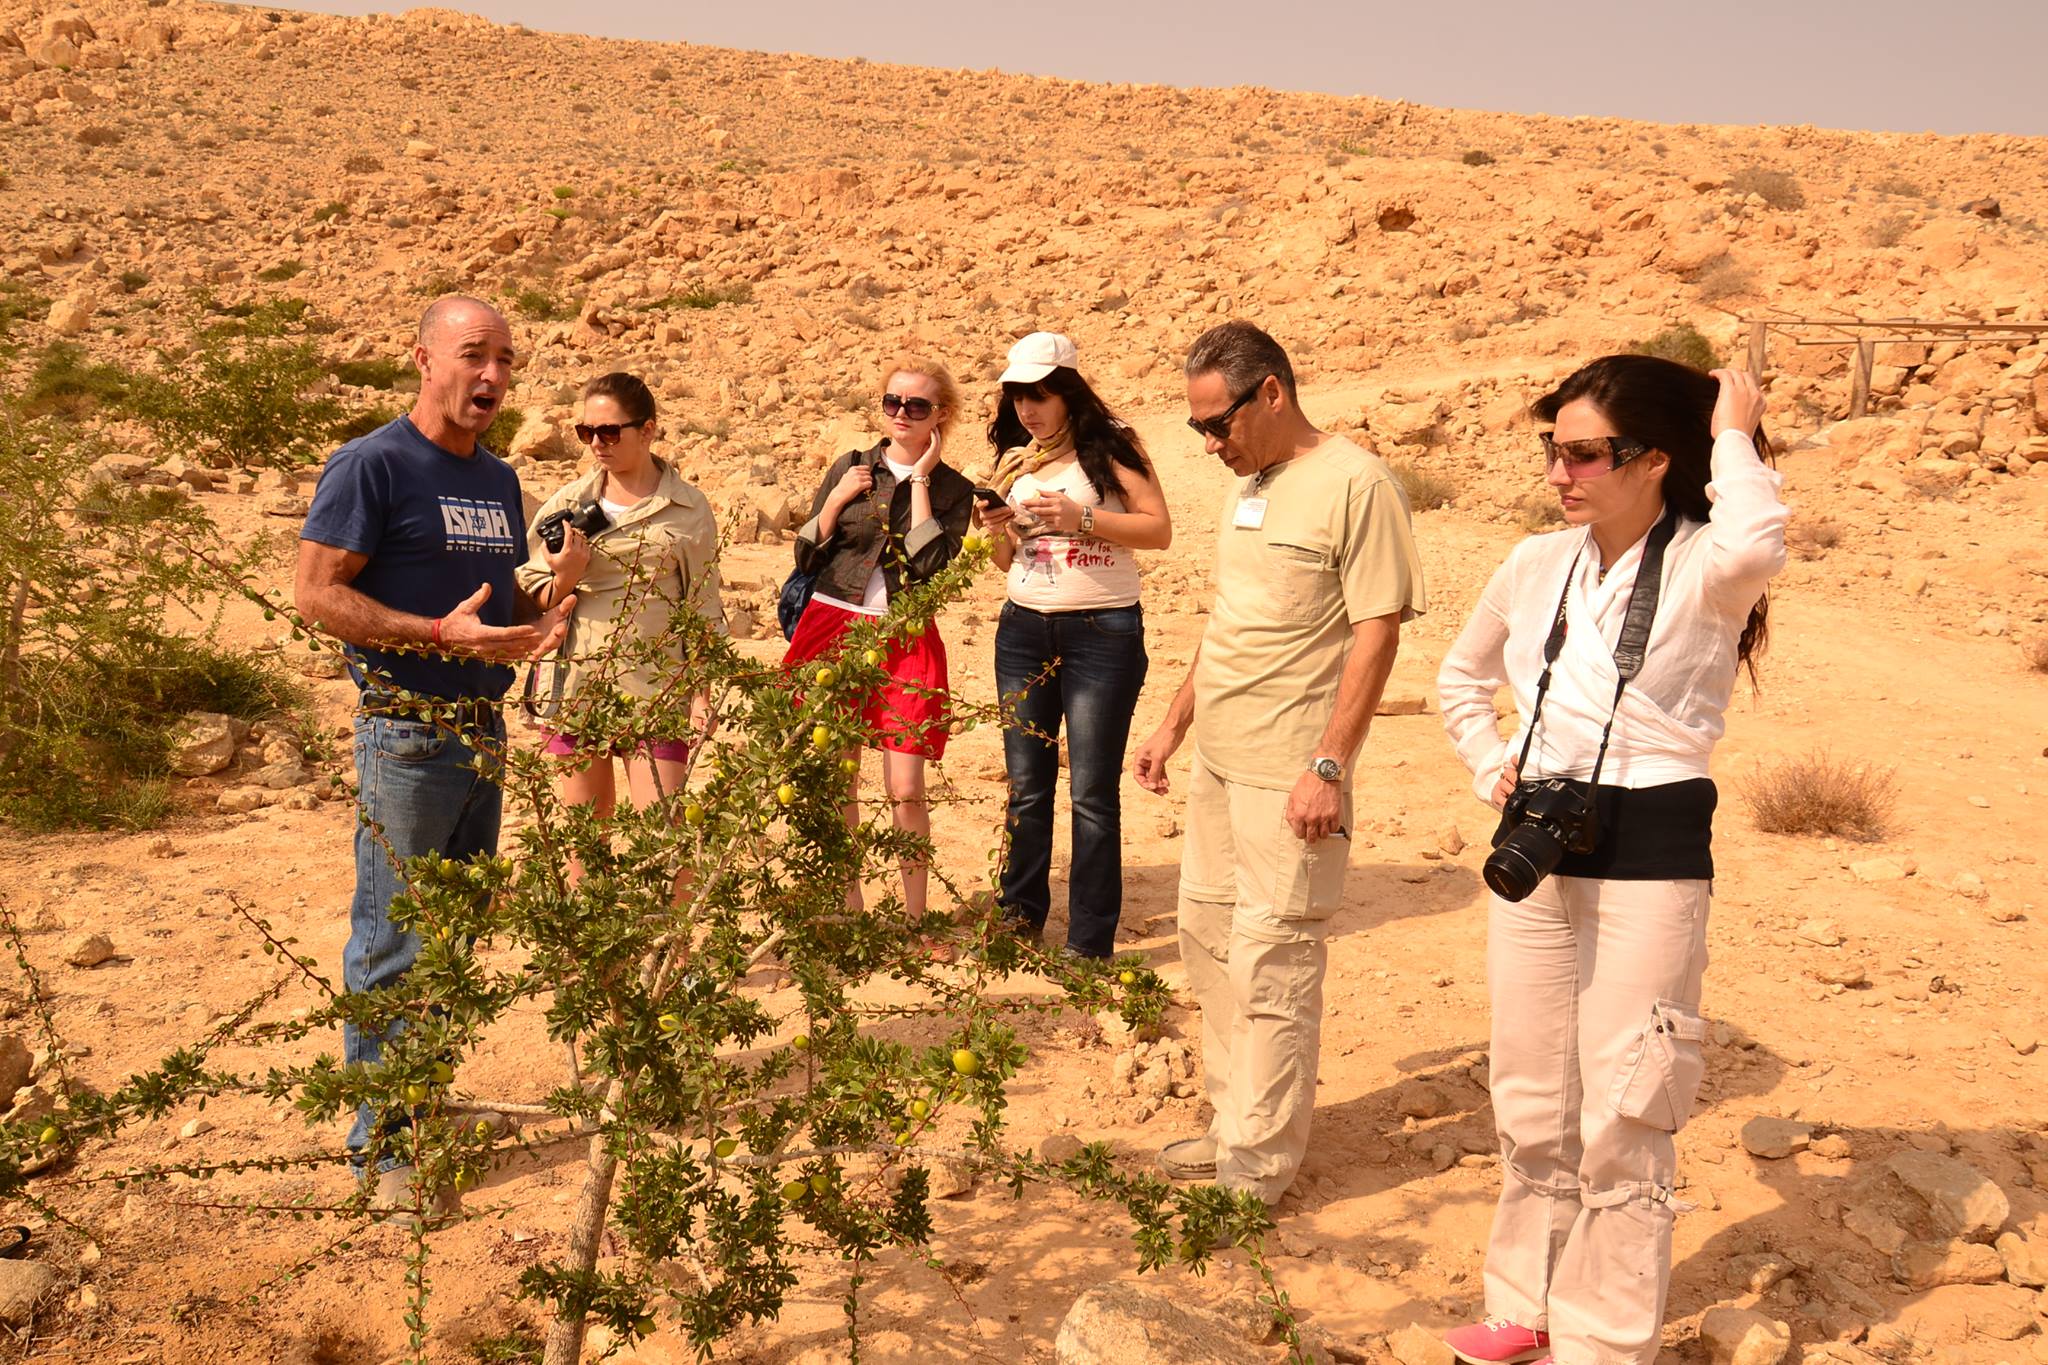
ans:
(1596, 1062)
(1255, 905)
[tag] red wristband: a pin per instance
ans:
(437, 632)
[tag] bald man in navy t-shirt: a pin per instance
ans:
(407, 557)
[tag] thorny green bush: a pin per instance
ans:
(764, 1073)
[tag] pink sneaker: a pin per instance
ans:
(1497, 1341)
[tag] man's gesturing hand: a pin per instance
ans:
(463, 633)
(1148, 764)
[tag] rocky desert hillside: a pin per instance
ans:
(755, 232)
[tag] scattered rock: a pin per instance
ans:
(1417, 1345)
(88, 949)
(1834, 1147)
(1822, 932)
(951, 1179)
(1737, 1336)
(204, 744)
(1405, 705)
(1760, 1272)
(1774, 1138)
(194, 1127)
(1929, 1265)
(1961, 1199)
(1059, 1147)
(23, 1286)
(1420, 1100)
(1122, 1324)
(1880, 870)
(16, 1062)
(2025, 1258)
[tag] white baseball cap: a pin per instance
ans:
(1037, 356)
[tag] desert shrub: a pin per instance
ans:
(361, 423)
(1724, 279)
(766, 1132)
(362, 163)
(1889, 230)
(132, 281)
(1536, 512)
(98, 135)
(564, 191)
(91, 684)
(710, 296)
(1812, 537)
(247, 393)
(661, 73)
(1776, 188)
(376, 372)
(1821, 794)
(1426, 490)
(498, 436)
(1475, 157)
(540, 306)
(1900, 186)
(329, 211)
(17, 303)
(65, 383)
(2035, 652)
(282, 271)
(1682, 343)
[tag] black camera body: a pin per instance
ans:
(589, 518)
(1546, 819)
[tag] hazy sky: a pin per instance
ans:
(1908, 65)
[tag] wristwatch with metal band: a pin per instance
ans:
(1329, 769)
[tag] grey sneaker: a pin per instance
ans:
(395, 1200)
(1189, 1159)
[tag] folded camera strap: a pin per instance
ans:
(1629, 648)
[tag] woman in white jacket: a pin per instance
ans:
(1596, 945)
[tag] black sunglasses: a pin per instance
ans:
(1219, 425)
(916, 409)
(607, 433)
(1590, 458)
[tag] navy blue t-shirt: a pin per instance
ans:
(436, 526)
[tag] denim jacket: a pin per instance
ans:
(875, 531)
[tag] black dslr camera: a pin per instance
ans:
(589, 519)
(1549, 818)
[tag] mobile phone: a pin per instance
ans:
(989, 498)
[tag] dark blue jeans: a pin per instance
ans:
(418, 793)
(1086, 668)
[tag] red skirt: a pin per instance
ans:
(907, 714)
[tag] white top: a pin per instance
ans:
(1671, 714)
(874, 599)
(1056, 572)
(614, 510)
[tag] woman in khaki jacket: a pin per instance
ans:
(652, 551)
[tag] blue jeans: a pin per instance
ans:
(1086, 667)
(418, 786)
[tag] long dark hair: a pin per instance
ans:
(1668, 407)
(1101, 440)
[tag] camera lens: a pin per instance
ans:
(1524, 858)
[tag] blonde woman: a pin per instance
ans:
(884, 520)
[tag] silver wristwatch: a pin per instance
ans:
(1329, 769)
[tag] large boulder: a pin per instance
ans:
(204, 744)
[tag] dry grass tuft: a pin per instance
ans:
(1776, 188)
(1814, 537)
(1821, 794)
(2035, 652)
(1535, 512)
(1426, 490)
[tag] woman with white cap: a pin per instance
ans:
(1071, 644)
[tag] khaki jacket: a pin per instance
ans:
(660, 557)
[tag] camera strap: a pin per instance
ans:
(1629, 648)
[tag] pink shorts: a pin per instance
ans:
(667, 750)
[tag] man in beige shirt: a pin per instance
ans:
(1315, 571)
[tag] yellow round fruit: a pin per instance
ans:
(821, 738)
(51, 1135)
(821, 1182)
(914, 629)
(794, 1190)
(483, 1129)
(966, 1062)
(443, 1073)
(920, 1108)
(1128, 977)
(976, 539)
(670, 1023)
(693, 813)
(725, 1147)
(785, 795)
(415, 1093)
(903, 1139)
(825, 677)
(444, 933)
(849, 765)
(644, 1325)
(802, 1042)
(463, 1180)
(874, 658)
